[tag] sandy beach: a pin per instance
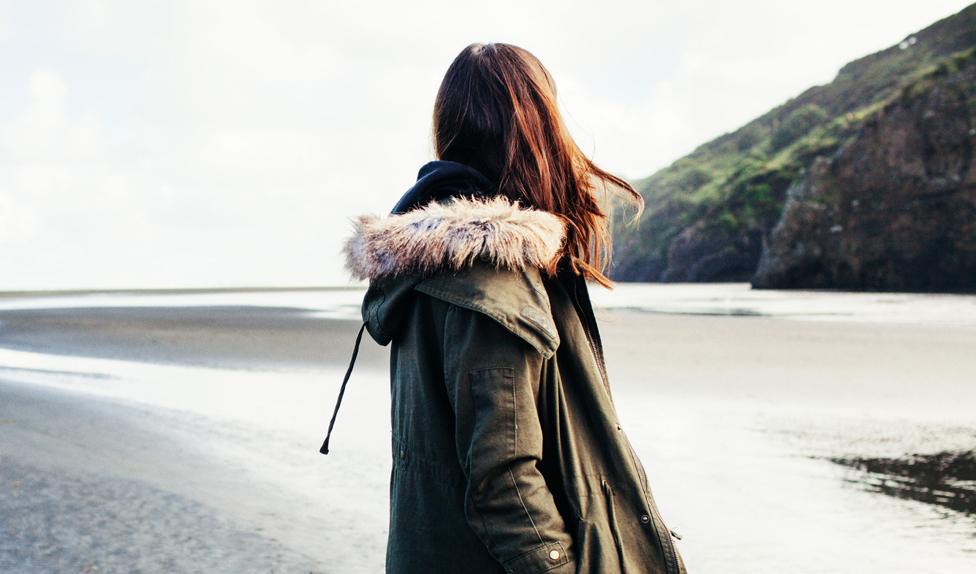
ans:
(183, 437)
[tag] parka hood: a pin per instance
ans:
(448, 236)
(448, 222)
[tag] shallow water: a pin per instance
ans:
(738, 299)
(753, 481)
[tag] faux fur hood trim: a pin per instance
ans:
(451, 235)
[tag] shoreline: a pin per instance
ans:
(82, 291)
(44, 293)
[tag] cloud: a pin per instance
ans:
(220, 143)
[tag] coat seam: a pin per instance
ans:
(522, 502)
(444, 343)
(514, 415)
(522, 556)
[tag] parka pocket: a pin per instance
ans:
(593, 549)
(582, 547)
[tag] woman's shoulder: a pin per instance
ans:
(514, 297)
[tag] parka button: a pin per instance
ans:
(554, 554)
(618, 426)
(645, 518)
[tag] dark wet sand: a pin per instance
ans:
(945, 479)
(222, 336)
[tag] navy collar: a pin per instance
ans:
(440, 179)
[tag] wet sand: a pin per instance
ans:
(88, 485)
(237, 337)
(945, 479)
(742, 423)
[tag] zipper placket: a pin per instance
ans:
(598, 358)
(656, 522)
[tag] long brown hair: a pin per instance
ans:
(496, 111)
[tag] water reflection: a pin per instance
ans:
(946, 479)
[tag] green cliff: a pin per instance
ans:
(718, 214)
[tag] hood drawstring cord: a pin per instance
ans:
(342, 390)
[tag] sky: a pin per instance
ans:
(165, 144)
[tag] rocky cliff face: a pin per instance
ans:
(855, 184)
(893, 209)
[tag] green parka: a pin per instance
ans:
(507, 452)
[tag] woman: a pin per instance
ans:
(507, 452)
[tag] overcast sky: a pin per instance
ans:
(197, 143)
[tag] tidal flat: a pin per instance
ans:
(781, 431)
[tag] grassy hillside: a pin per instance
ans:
(709, 213)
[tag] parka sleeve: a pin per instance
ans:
(493, 380)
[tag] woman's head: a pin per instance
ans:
(496, 111)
